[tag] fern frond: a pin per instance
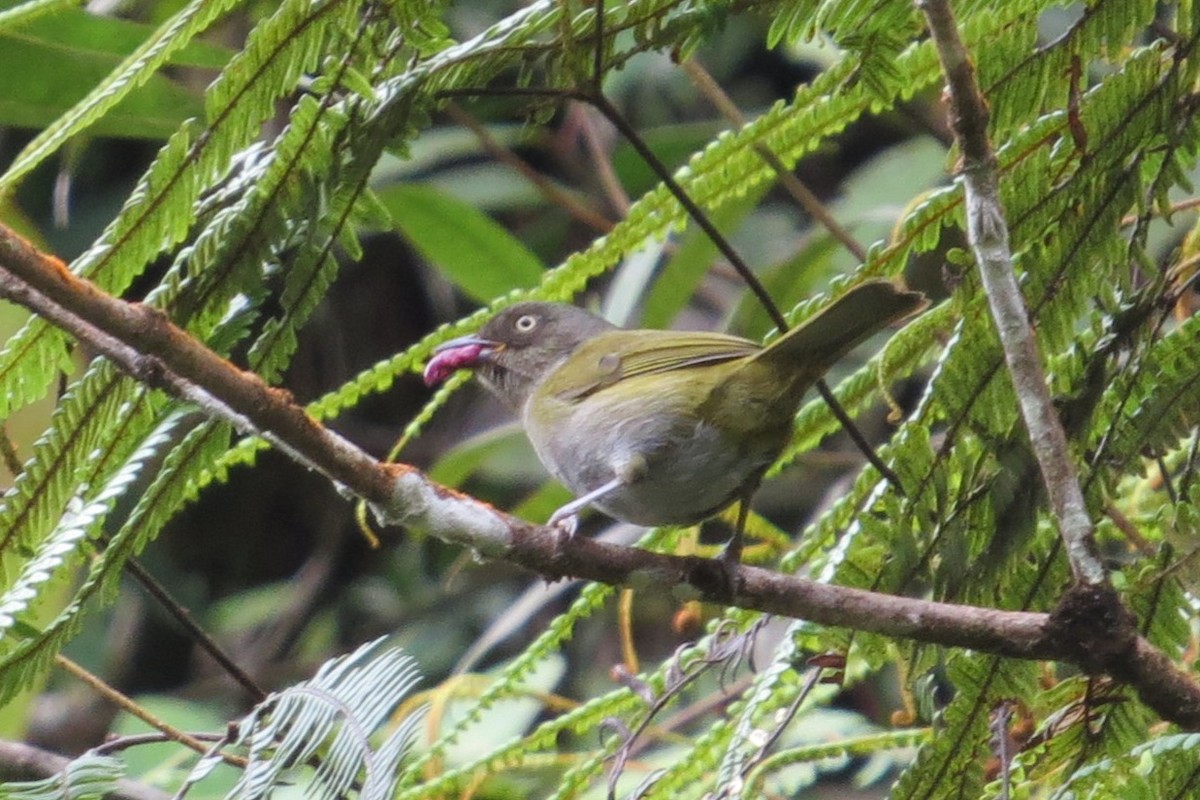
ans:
(25, 657)
(509, 682)
(158, 213)
(1018, 75)
(1163, 767)
(1163, 401)
(100, 418)
(774, 689)
(865, 746)
(329, 717)
(951, 765)
(58, 549)
(89, 777)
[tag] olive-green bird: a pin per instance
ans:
(659, 427)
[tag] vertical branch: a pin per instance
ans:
(987, 232)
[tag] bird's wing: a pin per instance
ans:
(616, 356)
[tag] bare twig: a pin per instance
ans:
(803, 196)
(613, 115)
(119, 743)
(563, 199)
(127, 705)
(598, 143)
(182, 616)
(987, 232)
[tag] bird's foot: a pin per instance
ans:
(565, 522)
(731, 554)
(730, 559)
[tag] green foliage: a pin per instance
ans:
(456, 238)
(240, 227)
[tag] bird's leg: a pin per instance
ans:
(731, 555)
(566, 519)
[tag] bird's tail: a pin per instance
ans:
(848, 321)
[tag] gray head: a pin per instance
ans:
(517, 348)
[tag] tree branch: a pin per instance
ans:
(987, 232)
(128, 334)
(144, 343)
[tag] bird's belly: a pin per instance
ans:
(682, 470)
(682, 484)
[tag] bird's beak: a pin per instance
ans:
(464, 352)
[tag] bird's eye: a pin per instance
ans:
(525, 323)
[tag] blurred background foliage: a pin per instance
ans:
(482, 202)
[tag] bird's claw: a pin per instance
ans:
(731, 553)
(566, 523)
(730, 559)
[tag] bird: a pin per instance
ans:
(659, 427)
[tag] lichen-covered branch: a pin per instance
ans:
(987, 232)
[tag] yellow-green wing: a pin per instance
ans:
(621, 354)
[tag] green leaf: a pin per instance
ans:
(683, 273)
(75, 33)
(56, 77)
(472, 250)
(62, 56)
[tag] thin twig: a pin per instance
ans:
(126, 704)
(182, 616)
(613, 115)
(591, 136)
(119, 743)
(804, 197)
(588, 123)
(550, 190)
(987, 232)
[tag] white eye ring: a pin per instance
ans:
(525, 323)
